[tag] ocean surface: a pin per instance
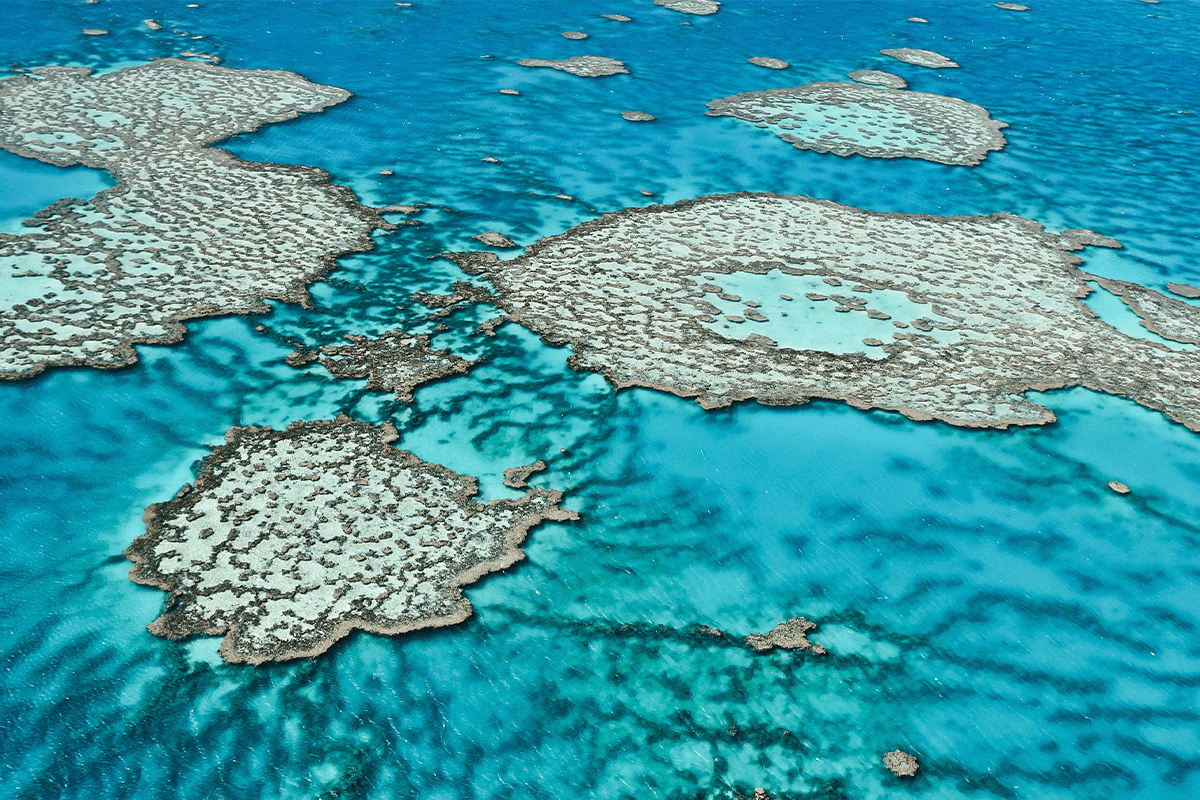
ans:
(987, 603)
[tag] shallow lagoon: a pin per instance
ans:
(989, 605)
(28, 186)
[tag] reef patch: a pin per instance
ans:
(922, 58)
(903, 764)
(790, 635)
(1003, 309)
(495, 239)
(769, 63)
(697, 7)
(291, 539)
(874, 121)
(584, 66)
(518, 477)
(877, 77)
(190, 231)
(395, 361)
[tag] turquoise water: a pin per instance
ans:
(1120, 316)
(988, 603)
(27, 186)
(796, 321)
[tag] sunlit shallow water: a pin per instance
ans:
(27, 186)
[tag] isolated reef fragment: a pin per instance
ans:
(518, 477)
(291, 539)
(697, 7)
(877, 77)
(790, 635)
(461, 292)
(395, 361)
(922, 58)
(1002, 298)
(1183, 290)
(495, 239)
(1169, 318)
(874, 121)
(584, 66)
(190, 231)
(637, 116)
(769, 63)
(901, 763)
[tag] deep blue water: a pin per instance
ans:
(988, 604)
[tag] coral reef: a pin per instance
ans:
(698, 7)
(769, 63)
(790, 635)
(903, 764)
(291, 539)
(189, 232)
(993, 309)
(877, 77)
(518, 477)
(395, 361)
(584, 66)
(875, 121)
(922, 58)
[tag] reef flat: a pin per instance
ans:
(1169, 318)
(877, 77)
(769, 63)
(874, 121)
(518, 477)
(634, 115)
(904, 765)
(583, 66)
(291, 539)
(921, 58)
(698, 7)
(992, 304)
(189, 232)
(395, 361)
(789, 635)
